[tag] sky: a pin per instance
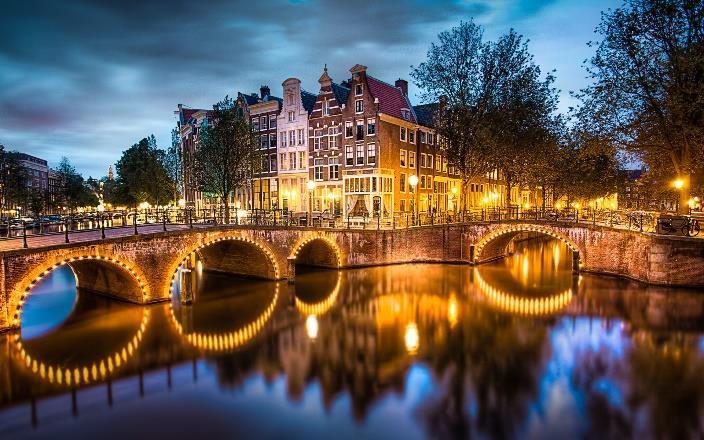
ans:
(86, 79)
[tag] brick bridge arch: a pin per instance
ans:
(494, 243)
(105, 274)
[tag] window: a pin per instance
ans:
(318, 169)
(291, 138)
(359, 106)
(264, 123)
(403, 158)
(422, 160)
(255, 123)
(358, 90)
(349, 154)
(302, 160)
(291, 116)
(332, 137)
(300, 136)
(403, 134)
(317, 135)
(371, 153)
(283, 163)
(334, 168)
(360, 154)
(282, 135)
(430, 138)
(402, 205)
(444, 164)
(272, 121)
(265, 165)
(360, 130)
(264, 142)
(371, 126)
(422, 182)
(429, 181)
(272, 160)
(412, 136)
(402, 182)
(438, 163)
(421, 136)
(348, 129)
(291, 161)
(272, 141)
(289, 98)
(411, 159)
(429, 164)
(406, 114)
(326, 108)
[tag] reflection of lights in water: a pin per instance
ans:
(226, 340)
(320, 307)
(525, 267)
(452, 310)
(199, 268)
(83, 374)
(520, 305)
(312, 326)
(556, 254)
(411, 338)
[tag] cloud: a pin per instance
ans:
(88, 78)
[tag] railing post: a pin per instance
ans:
(24, 234)
(215, 220)
(348, 220)
(67, 223)
(163, 217)
(378, 222)
(102, 226)
(134, 223)
(190, 219)
(641, 222)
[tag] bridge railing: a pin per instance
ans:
(106, 224)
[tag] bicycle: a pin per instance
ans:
(689, 227)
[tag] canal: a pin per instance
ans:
(516, 348)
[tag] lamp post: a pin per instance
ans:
(413, 181)
(679, 185)
(311, 187)
(454, 199)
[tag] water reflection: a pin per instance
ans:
(518, 348)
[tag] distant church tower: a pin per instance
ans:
(110, 172)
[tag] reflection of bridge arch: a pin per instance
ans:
(493, 245)
(321, 307)
(268, 267)
(521, 305)
(75, 375)
(101, 273)
(226, 341)
(317, 249)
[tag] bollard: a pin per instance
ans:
(24, 234)
(190, 219)
(134, 223)
(164, 219)
(102, 226)
(641, 222)
(378, 222)
(66, 226)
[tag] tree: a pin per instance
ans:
(227, 156)
(454, 76)
(71, 189)
(647, 95)
(35, 198)
(142, 176)
(173, 166)
(13, 180)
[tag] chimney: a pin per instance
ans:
(403, 85)
(264, 91)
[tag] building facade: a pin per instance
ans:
(189, 124)
(293, 147)
(325, 152)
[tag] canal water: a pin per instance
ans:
(520, 348)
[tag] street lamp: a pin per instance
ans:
(413, 181)
(311, 187)
(678, 184)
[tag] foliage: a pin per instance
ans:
(141, 176)
(71, 190)
(647, 95)
(227, 155)
(172, 165)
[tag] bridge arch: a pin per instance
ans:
(494, 244)
(107, 275)
(316, 249)
(231, 253)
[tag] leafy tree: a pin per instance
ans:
(71, 190)
(141, 175)
(173, 166)
(35, 202)
(13, 180)
(227, 156)
(647, 95)
(454, 75)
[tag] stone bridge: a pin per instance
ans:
(142, 268)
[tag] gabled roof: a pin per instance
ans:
(308, 100)
(391, 99)
(424, 113)
(341, 93)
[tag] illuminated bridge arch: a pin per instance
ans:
(234, 254)
(103, 274)
(495, 243)
(317, 249)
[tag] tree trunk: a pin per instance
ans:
(683, 194)
(227, 208)
(508, 191)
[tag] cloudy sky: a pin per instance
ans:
(86, 79)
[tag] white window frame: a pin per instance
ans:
(371, 153)
(318, 165)
(411, 159)
(402, 134)
(359, 148)
(371, 122)
(403, 158)
(358, 106)
(349, 124)
(358, 90)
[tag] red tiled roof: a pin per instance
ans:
(391, 99)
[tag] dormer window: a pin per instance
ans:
(406, 114)
(358, 90)
(326, 108)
